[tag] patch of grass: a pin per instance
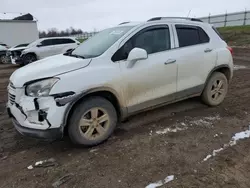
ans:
(238, 29)
(81, 40)
(236, 35)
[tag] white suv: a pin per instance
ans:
(45, 47)
(119, 72)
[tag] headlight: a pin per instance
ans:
(41, 88)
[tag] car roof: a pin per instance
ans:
(171, 20)
(58, 38)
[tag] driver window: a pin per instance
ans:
(152, 40)
(47, 42)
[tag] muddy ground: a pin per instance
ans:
(143, 150)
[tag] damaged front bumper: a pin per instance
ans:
(37, 117)
(49, 134)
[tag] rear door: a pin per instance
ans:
(195, 57)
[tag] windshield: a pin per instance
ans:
(21, 45)
(34, 43)
(99, 43)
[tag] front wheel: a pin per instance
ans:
(29, 58)
(215, 90)
(92, 122)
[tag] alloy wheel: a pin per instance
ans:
(94, 123)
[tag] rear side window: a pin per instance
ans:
(152, 40)
(191, 35)
(66, 41)
(56, 41)
(217, 32)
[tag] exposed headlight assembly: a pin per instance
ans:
(41, 88)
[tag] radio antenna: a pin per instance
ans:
(189, 13)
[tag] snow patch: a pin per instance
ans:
(39, 163)
(207, 157)
(238, 67)
(171, 130)
(182, 126)
(93, 150)
(233, 141)
(30, 167)
(161, 182)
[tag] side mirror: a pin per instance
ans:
(137, 54)
(39, 45)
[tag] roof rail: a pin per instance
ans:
(123, 23)
(184, 18)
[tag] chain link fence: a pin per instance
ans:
(228, 19)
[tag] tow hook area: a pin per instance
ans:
(42, 115)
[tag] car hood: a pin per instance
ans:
(19, 48)
(47, 67)
(2, 48)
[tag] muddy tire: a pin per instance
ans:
(92, 122)
(215, 90)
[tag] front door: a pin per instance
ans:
(152, 81)
(45, 49)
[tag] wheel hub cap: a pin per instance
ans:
(94, 123)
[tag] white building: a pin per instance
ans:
(14, 32)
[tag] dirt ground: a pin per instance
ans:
(142, 150)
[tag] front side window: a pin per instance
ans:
(153, 40)
(98, 44)
(47, 42)
(191, 35)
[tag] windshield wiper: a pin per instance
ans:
(73, 55)
(77, 56)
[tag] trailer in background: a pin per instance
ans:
(18, 31)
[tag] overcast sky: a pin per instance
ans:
(99, 14)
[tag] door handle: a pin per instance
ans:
(208, 50)
(170, 61)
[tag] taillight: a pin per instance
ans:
(230, 49)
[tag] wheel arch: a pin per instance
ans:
(225, 69)
(31, 53)
(104, 92)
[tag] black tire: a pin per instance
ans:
(4, 59)
(208, 96)
(75, 132)
(29, 58)
(1, 56)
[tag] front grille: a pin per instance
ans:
(12, 98)
(12, 86)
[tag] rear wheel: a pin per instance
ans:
(215, 90)
(92, 122)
